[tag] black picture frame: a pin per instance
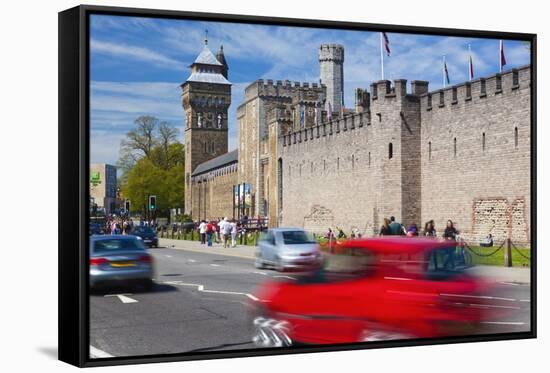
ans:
(74, 92)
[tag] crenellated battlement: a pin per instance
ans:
(476, 90)
(280, 88)
(327, 128)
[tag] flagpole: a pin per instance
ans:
(500, 56)
(443, 70)
(469, 62)
(381, 56)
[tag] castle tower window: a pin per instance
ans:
(338, 163)
(324, 165)
(483, 141)
(454, 146)
(369, 159)
(280, 183)
(515, 79)
(429, 150)
(390, 151)
(515, 137)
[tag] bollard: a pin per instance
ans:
(507, 253)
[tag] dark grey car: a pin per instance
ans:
(288, 249)
(120, 259)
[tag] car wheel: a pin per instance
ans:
(279, 267)
(259, 262)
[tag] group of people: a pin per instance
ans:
(121, 225)
(393, 228)
(222, 231)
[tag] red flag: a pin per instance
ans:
(386, 43)
(502, 57)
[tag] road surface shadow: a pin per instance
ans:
(134, 289)
(221, 346)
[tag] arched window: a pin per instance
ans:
(390, 150)
(454, 146)
(483, 141)
(430, 150)
(516, 137)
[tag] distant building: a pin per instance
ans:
(103, 187)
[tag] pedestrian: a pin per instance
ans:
(412, 230)
(209, 232)
(221, 229)
(202, 231)
(429, 229)
(385, 228)
(233, 233)
(450, 231)
(487, 242)
(226, 232)
(341, 233)
(396, 229)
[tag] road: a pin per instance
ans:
(199, 303)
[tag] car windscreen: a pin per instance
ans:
(114, 245)
(143, 230)
(296, 238)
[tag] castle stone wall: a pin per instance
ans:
(213, 194)
(484, 187)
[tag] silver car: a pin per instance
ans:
(118, 258)
(287, 249)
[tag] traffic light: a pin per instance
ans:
(127, 206)
(152, 202)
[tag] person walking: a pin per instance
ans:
(202, 232)
(233, 233)
(226, 232)
(429, 229)
(385, 229)
(209, 232)
(221, 229)
(396, 229)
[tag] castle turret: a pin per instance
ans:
(331, 63)
(221, 58)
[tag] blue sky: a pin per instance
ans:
(138, 64)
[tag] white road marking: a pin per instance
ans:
(123, 298)
(97, 353)
(202, 289)
(513, 283)
(215, 265)
(525, 300)
(168, 256)
(191, 260)
(488, 306)
(478, 297)
(260, 273)
(503, 322)
(283, 276)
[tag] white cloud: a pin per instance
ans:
(133, 52)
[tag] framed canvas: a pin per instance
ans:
(234, 186)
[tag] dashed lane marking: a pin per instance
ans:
(168, 256)
(514, 283)
(478, 297)
(201, 288)
(123, 298)
(98, 354)
(260, 273)
(191, 260)
(283, 276)
(215, 265)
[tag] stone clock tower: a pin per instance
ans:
(206, 96)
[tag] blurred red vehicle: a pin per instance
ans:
(371, 290)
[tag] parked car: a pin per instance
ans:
(287, 249)
(120, 259)
(371, 290)
(147, 234)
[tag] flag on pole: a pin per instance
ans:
(386, 44)
(446, 79)
(470, 63)
(502, 57)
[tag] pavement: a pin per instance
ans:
(200, 303)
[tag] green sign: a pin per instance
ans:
(95, 178)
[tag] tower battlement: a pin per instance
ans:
(279, 88)
(478, 89)
(331, 52)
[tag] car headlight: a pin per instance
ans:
(138, 237)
